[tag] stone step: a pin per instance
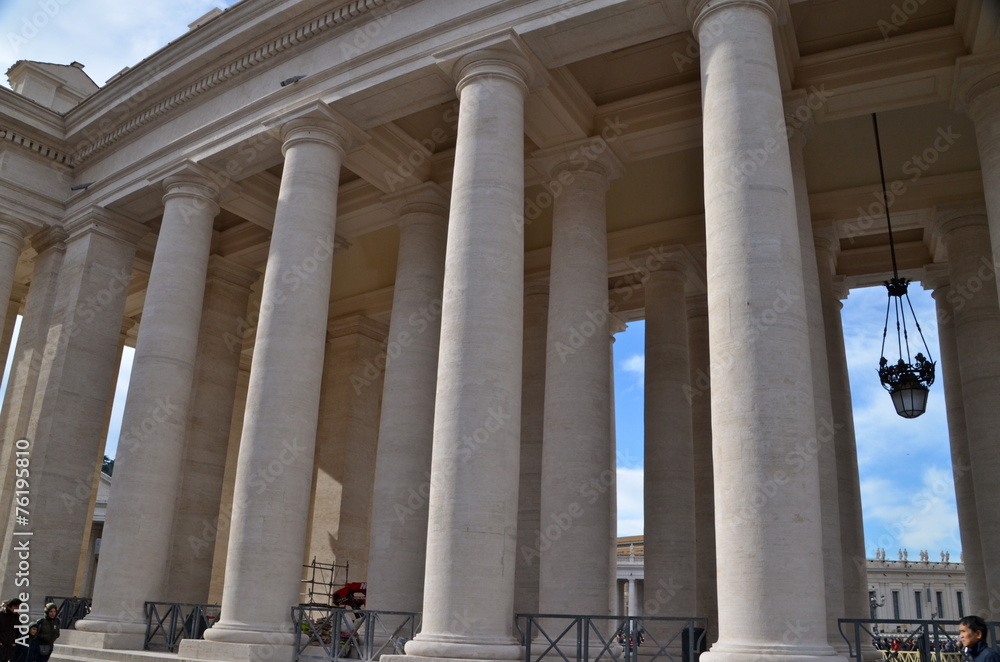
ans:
(68, 653)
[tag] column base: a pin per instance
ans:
(102, 640)
(756, 652)
(224, 651)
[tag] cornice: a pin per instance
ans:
(38, 147)
(347, 13)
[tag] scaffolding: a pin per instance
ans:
(321, 581)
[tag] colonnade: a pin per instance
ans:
(489, 482)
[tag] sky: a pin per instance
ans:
(907, 493)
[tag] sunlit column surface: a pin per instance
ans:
(768, 524)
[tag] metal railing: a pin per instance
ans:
(169, 622)
(921, 641)
(332, 634)
(70, 610)
(553, 637)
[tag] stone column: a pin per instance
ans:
(822, 442)
(576, 478)
(472, 517)
(12, 234)
(346, 442)
(669, 568)
(14, 303)
(529, 497)
(66, 424)
(403, 463)
(49, 246)
(977, 86)
(218, 535)
(267, 536)
(699, 398)
(615, 326)
(762, 399)
(141, 505)
(831, 290)
(964, 232)
(634, 608)
(217, 366)
(936, 280)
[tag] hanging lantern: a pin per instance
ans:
(907, 380)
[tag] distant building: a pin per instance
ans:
(917, 588)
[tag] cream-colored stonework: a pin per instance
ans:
(371, 305)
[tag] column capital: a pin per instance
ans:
(227, 271)
(502, 55)
(701, 10)
(974, 76)
(841, 289)
(935, 278)
(13, 230)
(591, 154)
(425, 198)
(616, 325)
(190, 180)
(95, 219)
(952, 216)
(318, 122)
(48, 238)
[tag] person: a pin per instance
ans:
(48, 632)
(27, 646)
(8, 630)
(972, 632)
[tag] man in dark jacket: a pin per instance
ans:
(972, 632)
(8, 630)
(48, 632)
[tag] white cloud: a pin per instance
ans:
(630, 505)
(916, 514)
(635, 364)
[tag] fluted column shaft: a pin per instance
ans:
(668, 464)
(822, 443)
(472, 518)
(529, 497)
(965, 234)
(961, 463)
(699, 397)
(403, 462)
(576, 478)
(274, 472)
(762, 398)
(141, 505)
(227, 292)
(852, 532)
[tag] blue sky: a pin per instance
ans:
(908, 497)
(905, 465)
